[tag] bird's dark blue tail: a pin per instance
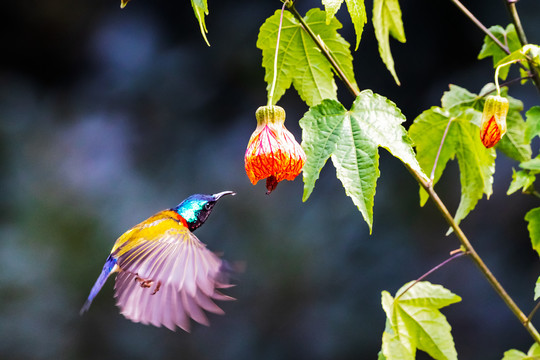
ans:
(107, 269)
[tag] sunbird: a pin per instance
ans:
(166, 275)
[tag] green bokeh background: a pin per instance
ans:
(108, 116)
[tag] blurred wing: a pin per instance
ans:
(168, 276)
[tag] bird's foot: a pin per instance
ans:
(148, 283)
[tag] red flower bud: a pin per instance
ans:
(272, 152)
(493, 120)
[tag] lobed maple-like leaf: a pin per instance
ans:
(300, 62)
(351, 138)
(413, 321)
(476, 163)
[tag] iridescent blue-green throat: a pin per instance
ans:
(196, 208)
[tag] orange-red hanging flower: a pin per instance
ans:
(493, 120)
(272, 152)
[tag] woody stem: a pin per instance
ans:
(511, 6)
(428, 186)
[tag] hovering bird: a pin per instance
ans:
(166, 275)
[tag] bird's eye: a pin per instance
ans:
(207, 206)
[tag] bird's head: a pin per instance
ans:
(196, 208)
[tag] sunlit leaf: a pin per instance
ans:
(357, 10)
(537, 289)
(520, 180)
(532, 354)
(351, 139)
(460, 97)
(533, 122)
(387, 21)
(200, 7)
(528, 52)
(533, 164)
(476, 163)
(514, 354)
(331, 7)
(533, 219)
(506, 36)
(300, 62)
(415, 322)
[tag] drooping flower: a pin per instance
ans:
(493, 125)
(272, 152)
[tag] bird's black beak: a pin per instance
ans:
(223, 193)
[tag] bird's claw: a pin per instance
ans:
(148, 283)
(144, 283)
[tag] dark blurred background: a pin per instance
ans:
(108, 116)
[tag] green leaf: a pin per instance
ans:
(387, 21)
(392, 347)
(476, 163)
(460, 97)
(533, 122)
(515, 143)
(533, 219)
(200, 7)
(520, 180)
(300, 62)
(534, 351)
(357, 11)
(514, 354)
(415, 322)
(351, 139)
(533, 164)
(537, 289)
(532, 354)
(528, 52)
(508, 37)
(331, 7)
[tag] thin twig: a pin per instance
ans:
(511, 6)
(480, 25)
(506, 83)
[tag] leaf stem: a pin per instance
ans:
(324, 49)
(511, 6)
(432, 175)
(452, 257)
(427, 185)
(274, 80)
